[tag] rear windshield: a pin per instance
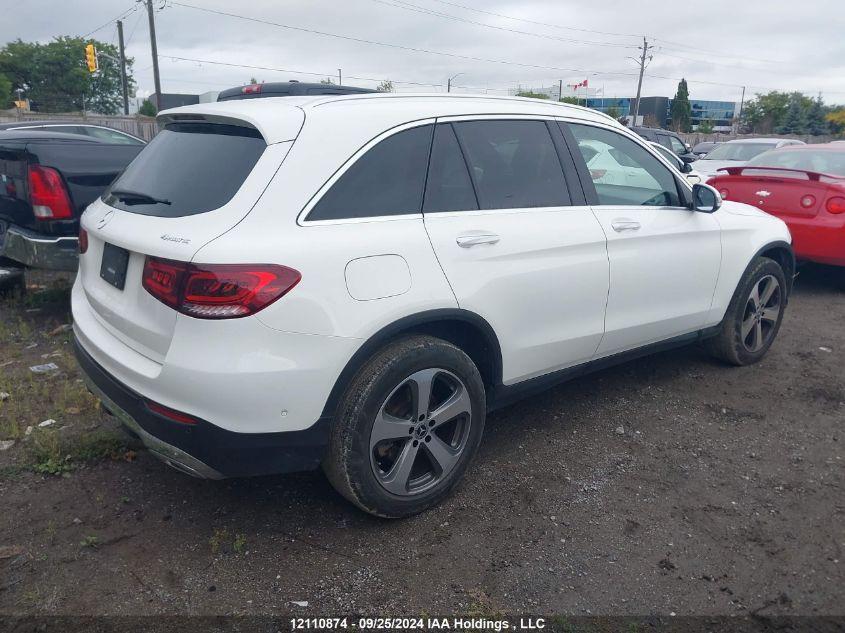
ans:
(738, 151)
(188, 168)
(822, 161)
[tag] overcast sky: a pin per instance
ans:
(718, 45)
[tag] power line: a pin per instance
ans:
(119, 17)
(401, 46)
(554, 26)
(293, 72)
(401, 4)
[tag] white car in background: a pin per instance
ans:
(352, 282)
(692, 176)
(738, 152)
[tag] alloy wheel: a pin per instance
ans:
(762, 310)
(420, 431)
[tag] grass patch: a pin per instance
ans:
(52, 455)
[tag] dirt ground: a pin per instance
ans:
(672, 484)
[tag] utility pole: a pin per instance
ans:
(560, 89)
(123, 83)
(645, 48)
(154, 47)
(449, 82)
(339, 77)
(739, 114)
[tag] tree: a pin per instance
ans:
(765, 113)
(5, 92)
(795, 120)
(537, 95)
(681, 110)
(252, 81)
(816, 122)
(385, 86)
(705, 127)
(55, 77)
(836, 119)
(613, 112)
(147, 108)
(327, 82)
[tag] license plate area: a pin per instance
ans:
(114, 264)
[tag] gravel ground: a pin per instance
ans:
(672, 484)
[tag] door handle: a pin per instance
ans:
(467, 241)
(625, 225)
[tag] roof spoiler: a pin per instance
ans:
(811, 175)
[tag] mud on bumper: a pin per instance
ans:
(204, 449)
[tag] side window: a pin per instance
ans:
(449, 187)
(513, 164)
(676, 146)
(387, 180)
(664, 140)
(624, 172)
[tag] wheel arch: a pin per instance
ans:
(782, 253)
(467, 330)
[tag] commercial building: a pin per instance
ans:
(719, 114)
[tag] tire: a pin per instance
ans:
(387, 467)
(737, 343)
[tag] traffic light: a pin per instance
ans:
(91, 58)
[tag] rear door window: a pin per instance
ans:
(513, 164)
(387, 180)
(676, 146)
(188, 168)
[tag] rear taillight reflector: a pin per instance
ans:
(217, 291)
(724, 193)
(808, 201)
(83, 241)
(48, 194)
(170, 414)
(835, 205)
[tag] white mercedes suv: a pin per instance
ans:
(353, 282)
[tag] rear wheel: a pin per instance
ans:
(754, 315)
(407, 427)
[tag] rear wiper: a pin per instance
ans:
(136, 197)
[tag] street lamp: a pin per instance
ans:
(449, 82)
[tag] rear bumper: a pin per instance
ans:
(819, 240)
(37, 250)
(205, 450)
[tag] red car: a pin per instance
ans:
(803, 185)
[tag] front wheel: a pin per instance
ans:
(754, 315)
(407, 427)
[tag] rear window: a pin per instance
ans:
(738, 151)
(822, 161)
(188, 168)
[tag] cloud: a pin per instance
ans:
(718, 46)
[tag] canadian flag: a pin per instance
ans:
(582, 84)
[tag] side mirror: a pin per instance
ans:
(705, 198)
(688, 146)
(686, 168)
(689, 158)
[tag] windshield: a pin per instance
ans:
(822, 161)
(188, 168)
(737, 151)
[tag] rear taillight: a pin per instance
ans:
(724, 193)
(48, 195)
(835, 205)
(83, 241)
(251, 89)
(217, 291)
(597, 174)
(808, 201)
